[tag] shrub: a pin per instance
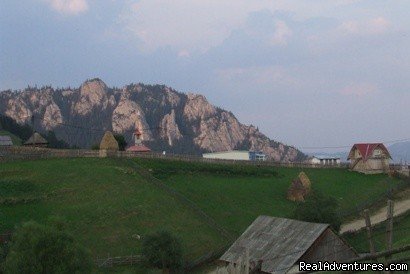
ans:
(164, 251)
(319, 209)
(122, 144)
(37, 248)
(95, 147)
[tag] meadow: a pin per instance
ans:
(108, 205)
(105, 204)
(236, 195)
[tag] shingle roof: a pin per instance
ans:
(36, 139)
(366, 149)
(277, 243)
(5, 140)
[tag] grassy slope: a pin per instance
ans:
(236, 200)
(16, 140)
(103, 202)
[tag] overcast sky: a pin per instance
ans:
(308, 73)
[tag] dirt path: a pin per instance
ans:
(400, 207)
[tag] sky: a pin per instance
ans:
(309, 73)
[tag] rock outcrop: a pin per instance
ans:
(168, 120)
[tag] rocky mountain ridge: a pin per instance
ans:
(168, 120)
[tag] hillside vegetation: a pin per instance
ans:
(108, 205)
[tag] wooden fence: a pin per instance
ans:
(30, 153)
(118, 261)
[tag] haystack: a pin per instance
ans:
(297, 191)
(108, 144)
(304, 179)
(299, 188)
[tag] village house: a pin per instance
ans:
(324, 160)
(36, 140)
(237, 155)
(5, 141)
(277, 245)
(369, 158)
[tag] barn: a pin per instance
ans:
(369, 158)
(36, 140)
(277, 245)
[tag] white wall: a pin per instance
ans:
(228, 155)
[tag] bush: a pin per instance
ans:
(319, 209)
(95, 147)
(37, 248)
(122, 144)
(164, 251)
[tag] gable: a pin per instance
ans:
(329, 247)
(368, 150)
(275, 242)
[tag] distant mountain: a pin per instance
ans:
(400, 152)
(169, 120)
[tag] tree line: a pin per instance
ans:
(25, 131)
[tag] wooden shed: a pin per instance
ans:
(36, 140)
(369, 158)
(277, 245)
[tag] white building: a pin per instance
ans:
(239, 155)
(324, 160)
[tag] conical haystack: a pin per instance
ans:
(299, 188)
(297, 191)
(108, 144)
(304, 179)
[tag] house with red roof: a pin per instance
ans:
(369, 158)
(138, 146)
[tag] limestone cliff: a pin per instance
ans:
(168, 120)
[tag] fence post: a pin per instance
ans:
(389, 227)
(369, 232)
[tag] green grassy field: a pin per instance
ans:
(16, 140)
(236, 196)
(106, 203)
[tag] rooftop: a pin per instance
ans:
(5, 140)
(277, 243)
